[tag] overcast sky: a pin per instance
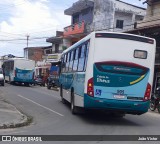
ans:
(36, 18)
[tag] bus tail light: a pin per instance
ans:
(147, 93)
(90, 90)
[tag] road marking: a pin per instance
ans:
(41, 105)
(54, 96)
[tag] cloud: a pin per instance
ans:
(31, 17)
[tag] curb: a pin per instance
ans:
(24, 119)
(25, 122)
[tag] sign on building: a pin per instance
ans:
(53, 58)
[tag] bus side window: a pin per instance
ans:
(67, 63)
(87, 50)
(81, 58)
(75, 63)
(63, 64)
(71, 60)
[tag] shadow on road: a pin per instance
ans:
(98, 117)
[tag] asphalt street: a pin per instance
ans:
(51, 117)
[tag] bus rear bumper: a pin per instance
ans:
(24, 81)
(130, 107)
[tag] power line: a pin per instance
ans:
(10, 33)
(21, 39)
(37, 38)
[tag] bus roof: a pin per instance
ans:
(105, 32)
(18, 59)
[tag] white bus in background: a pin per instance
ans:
(19, 70)
(109, 71)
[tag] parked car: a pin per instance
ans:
(1, 77)
(39, 80)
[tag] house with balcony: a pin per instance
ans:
(94, 15)
(57, 42)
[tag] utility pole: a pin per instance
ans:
(26, 55)
(27, 39)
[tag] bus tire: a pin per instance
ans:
(74, 109)
(152, 106)
(61, 94)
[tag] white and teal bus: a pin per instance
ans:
(19, 70)
(109, 71)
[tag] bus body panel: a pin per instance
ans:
(24, 75)
(122, 89)
(132, 92)
(130, 107)
(76, 81)
(107, 85)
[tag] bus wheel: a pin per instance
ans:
(61, 94)
(74, 109)
(152, 106)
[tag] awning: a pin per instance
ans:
(55, 40)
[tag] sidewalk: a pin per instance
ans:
(10, 117)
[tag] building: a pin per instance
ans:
(57, 43)
(94, 15)
(37, 53)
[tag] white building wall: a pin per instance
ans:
(26, 53)
(120, 6)
(126, 17)
(53, 47)
(103, 15)
(106, 13)
(67, 43)
(60, 48)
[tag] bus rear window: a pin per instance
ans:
(140, 54)
(121, 68)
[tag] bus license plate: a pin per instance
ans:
(119, 96)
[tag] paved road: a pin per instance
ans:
(51, 117)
